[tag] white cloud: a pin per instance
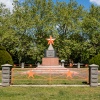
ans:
(8, 4)
(97, 2)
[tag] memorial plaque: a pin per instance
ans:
(50, 53)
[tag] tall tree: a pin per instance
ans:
(69, 21)
(91, 28)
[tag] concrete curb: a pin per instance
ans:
(50, 85)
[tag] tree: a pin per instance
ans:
(4, 16)
(91, 28)
(69, 21)
(35, 20)
(95, 60)
(24, 31)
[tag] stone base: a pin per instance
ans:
(50, 61)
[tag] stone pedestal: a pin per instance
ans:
(50, 61)
(6, 74)
(93, 75)
(50, 58)
(78, 65)
(22, 65)
(50, 52)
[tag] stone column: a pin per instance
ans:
(6, 74)
(78, 65)
(38, 64)
(93, 75)
(62, 63)
(22, 65)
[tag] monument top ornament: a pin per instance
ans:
(50, 40)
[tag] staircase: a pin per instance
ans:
(50, 69)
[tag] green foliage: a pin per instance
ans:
(95, 60)
(24, 31)
(2, 48)
(5, 57)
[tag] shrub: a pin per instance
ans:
(2, 48)
(95, 60)
(5, 57)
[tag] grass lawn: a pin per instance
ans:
(29, 76)
(0, 76)
(49, 93)
(35, 82)
(19, 78)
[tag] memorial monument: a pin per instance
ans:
(50, 58)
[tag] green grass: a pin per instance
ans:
(44, 80)
(20, 76)
(0, 76)
(99, 77)
(49, 93)
(37, 82)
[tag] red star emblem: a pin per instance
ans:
(50, 40)
(69, 74)
(30, 74)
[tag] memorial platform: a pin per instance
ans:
(50, 61)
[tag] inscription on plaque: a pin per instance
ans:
(50, 53)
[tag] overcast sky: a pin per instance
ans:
(85, 3)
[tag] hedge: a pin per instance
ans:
(95, 60)
(5, 57)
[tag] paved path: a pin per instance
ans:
(50, 85)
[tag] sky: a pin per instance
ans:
(85, 3)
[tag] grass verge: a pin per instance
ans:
(49, 93)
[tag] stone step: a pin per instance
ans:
(50, 70)
(40, 66)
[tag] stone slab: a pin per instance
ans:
(50, 53)
(94, 80)
(5, 80)
(6, 76)
(6, 71)
(94, 84)
(5, 68)
(94, 76)
(5, 84)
